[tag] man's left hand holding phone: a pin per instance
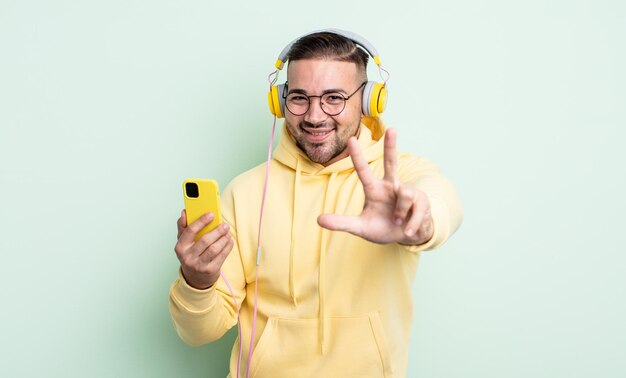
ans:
(204, 243)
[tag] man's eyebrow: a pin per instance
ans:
(296, 90)
(302, 91)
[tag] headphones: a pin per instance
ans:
(374, 94)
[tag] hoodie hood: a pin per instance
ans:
(371, 133)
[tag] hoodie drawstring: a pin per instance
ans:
(296, 186)
(322, 271)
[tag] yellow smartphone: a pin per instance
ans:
(202, 196)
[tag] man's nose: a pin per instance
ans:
(315, 114)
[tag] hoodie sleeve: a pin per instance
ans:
(444, 204)
(202, 316)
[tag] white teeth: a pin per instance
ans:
(318, 133)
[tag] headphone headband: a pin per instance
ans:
(374, 94)
(282, 57)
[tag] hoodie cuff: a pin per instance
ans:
(192, 299)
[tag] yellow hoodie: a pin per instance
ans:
(330, 304)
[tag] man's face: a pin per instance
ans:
(324, 138)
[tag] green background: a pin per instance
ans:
(106, 106)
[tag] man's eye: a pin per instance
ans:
(334, 98)
(298, 98)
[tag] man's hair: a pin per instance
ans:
(329, 46)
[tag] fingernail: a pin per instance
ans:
(208, 216)
(409, 232)
(398, 221)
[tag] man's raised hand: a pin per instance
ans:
(393, 212)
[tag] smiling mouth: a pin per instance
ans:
(316, 132)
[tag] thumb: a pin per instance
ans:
(346, 223)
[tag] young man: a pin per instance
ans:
(346, 217)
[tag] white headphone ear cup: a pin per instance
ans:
(367, 97)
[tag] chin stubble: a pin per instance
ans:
(336, 147)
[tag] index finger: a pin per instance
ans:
(190, 232)
(181, 224)
(391, 157)
(360, 163)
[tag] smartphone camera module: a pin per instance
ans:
(191, 189)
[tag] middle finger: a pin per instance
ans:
(390, 157)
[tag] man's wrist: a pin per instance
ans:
(193, 284)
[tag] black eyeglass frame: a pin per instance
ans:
(345, 100)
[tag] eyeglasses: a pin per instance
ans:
(332, 103)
